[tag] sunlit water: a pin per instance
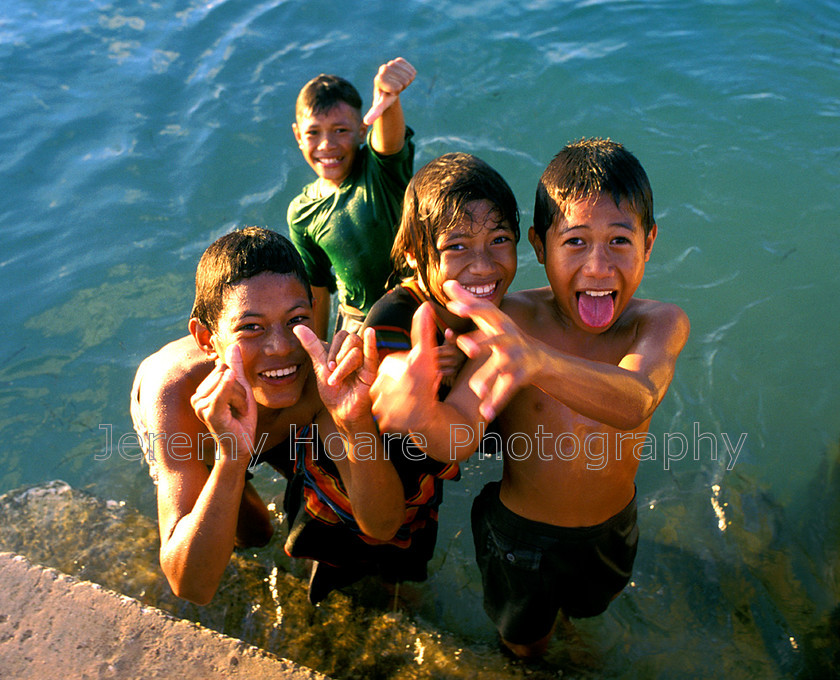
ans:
(132, 134)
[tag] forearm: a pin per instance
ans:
(443, 430)
(448, 435)
(321, 311)
(610, 394)
(406, 402)
(388, 133)
(194, 556)
(372, 483)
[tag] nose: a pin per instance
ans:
(326, 142)
(598, 263)
(482, 262)
(280, 341)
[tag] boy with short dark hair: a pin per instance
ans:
(237, 392)
(586, 365)
(343, 223)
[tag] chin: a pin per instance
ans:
(278, 401)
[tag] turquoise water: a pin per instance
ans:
(132, 134)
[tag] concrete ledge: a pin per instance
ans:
(52, 626)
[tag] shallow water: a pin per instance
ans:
(135, 133)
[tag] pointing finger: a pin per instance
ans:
(486, 315)
(350, 363)
(468, 345)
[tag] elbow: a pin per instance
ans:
(187, 589)
(636, 412)
(196, 597)
(384, 528)
(191, 593)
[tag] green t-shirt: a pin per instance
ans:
(351, 231)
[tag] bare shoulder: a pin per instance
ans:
(527, 306)
(652, 316)
(172, 374)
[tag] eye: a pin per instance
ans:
(247, 328)
(298, 319)
(573, 241)
(452, 247)
(621, 240)
(502, 239)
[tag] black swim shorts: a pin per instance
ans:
(532, 570)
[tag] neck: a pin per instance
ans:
(326, 188)
(447, 319)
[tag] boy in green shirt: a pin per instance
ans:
(343, 223)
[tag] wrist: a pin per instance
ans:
(230, 471)
(364, 424)
(231, 452)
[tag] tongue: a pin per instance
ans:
(596, 312)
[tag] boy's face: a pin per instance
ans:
(479, 253)
(258, 315)
(594, 256)
(329, 141)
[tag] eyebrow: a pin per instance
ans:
(460, 233)
(248, 314)
(621, 225)
(251, 314)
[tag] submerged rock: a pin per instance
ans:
(259, 601)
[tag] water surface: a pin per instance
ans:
(135, 133)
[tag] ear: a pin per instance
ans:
(363, 128)
(410, 260)
(649, 239)
(203, 337)
(296, 131)
(537, 244)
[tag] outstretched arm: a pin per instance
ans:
(386, 114)
(622, 396)
(344, 375)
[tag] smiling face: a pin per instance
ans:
(479, 252)
(594, 256)
(258, 315)
(329, 141)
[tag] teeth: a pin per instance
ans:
(281, 373)
(598, 293)
(480, 291)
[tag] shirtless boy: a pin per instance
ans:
(208, 406)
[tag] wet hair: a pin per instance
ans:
(323, 92)
(588, 168)
(240, 255)
(436, 200)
